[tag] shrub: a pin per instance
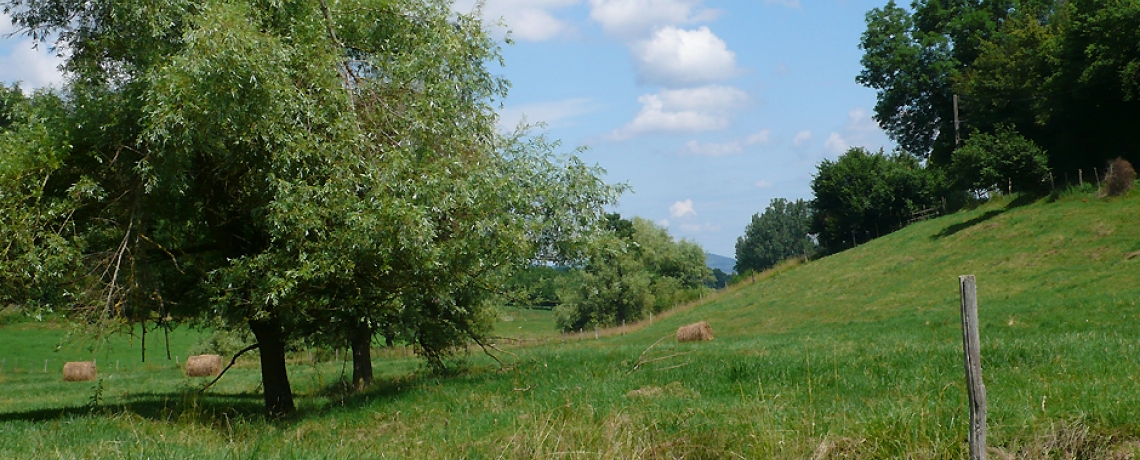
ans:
(1000, 161)
(1120, 177)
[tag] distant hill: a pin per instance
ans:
(725, 264)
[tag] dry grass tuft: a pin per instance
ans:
(695, 332)
(1120, 177)
(675, 389)
(81, 371)
(1075, 440)
(840, 449)
(203, 365)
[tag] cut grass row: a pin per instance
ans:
(852, 356)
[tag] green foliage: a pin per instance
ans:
(1001, 161)
(864, 364)
(536, 286)
(864, 195)
(720, 279)
(1064, 73)
(306, 171)
(638, 271)
(224, 342)
(782, 231)
(42, 250)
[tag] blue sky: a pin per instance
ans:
(708, 109)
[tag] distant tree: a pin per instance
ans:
(782, 231)
(629, 277)
(863, 195)
(719, 280)
(536, 286)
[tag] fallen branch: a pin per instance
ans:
(641, 358)
(232, 362)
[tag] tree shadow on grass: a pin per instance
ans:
(1021, 200)
(215, 409)
(154, 406)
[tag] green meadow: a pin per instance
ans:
(856, 355)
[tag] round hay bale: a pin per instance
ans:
(695, 332)
(80, 371)
(203, 365)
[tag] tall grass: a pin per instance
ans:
(856, 355)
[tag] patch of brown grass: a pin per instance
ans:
(1120, 177)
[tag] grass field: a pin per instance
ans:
(856, 355)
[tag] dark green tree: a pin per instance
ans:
(1063, 73)
(912, 58)
(1001, 161)
(864, 195)
(782, 231)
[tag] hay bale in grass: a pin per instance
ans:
(81, 371)
(203, 365)
(695, 332)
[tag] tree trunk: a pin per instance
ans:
(361, 356)
(274, 375)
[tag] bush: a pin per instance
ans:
(1000, 161)
(1120, 177)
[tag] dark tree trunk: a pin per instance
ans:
(274, 375)
(361, 356)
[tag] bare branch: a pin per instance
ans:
(232, 362)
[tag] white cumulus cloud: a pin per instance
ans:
(713, 149)
(801, 138)
(6, 26)
(684, 110)
(631, 19)
(718, 149)
(835, 144)
(763, 137)
(35, 68)
(764, 184)
(531, 20)
(682, 209)
(679, 57)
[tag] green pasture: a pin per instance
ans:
(856, 355)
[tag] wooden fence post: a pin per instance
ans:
(973, 354)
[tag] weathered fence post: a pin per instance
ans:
(972, 349)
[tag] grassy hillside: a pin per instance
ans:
(852, 356)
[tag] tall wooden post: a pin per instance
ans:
(972, 349)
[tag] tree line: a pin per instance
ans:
(1020, 96)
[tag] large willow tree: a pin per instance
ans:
(321, 170)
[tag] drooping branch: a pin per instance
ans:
(232, 362)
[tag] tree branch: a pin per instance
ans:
(232, 362)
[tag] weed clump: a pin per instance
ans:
(1120, 177)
